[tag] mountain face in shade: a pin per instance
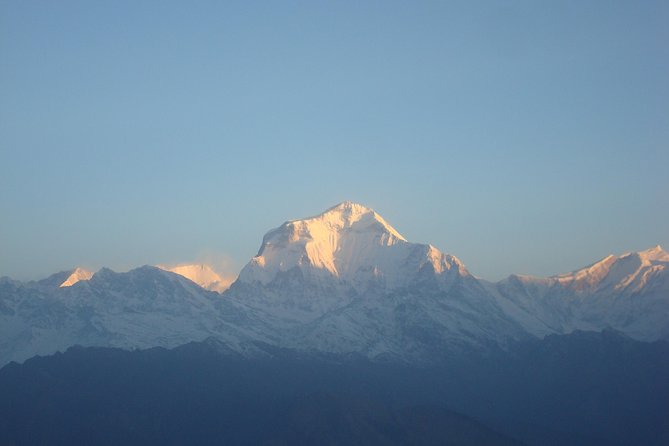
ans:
(344, 281)
(581, 389)
(192, 394)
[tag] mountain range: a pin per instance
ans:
(344, 281)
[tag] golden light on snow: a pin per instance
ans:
(202, 274)
(77, 275)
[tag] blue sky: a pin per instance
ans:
(520, 136)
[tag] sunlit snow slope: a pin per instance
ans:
(202, 274)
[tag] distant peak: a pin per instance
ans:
(77, 275)
(655, 253)
(349, 206)
(202, 274)
(655, 249)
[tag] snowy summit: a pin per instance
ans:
(350, 242)
(77, 275)
(202, 274)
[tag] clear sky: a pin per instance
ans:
(520, 136)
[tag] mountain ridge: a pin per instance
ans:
(343, 281)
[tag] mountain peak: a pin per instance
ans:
(627, 271)
(349, 209)
(350, 206)
(347, 213)
(77, 275)
(654, 254)
(200, 273)
(348, 241)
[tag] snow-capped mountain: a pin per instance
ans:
(347, 281)
(77, 275)
(352, 244)
(629, 293)
(202, 274)
(344, 281)
(142, 308)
